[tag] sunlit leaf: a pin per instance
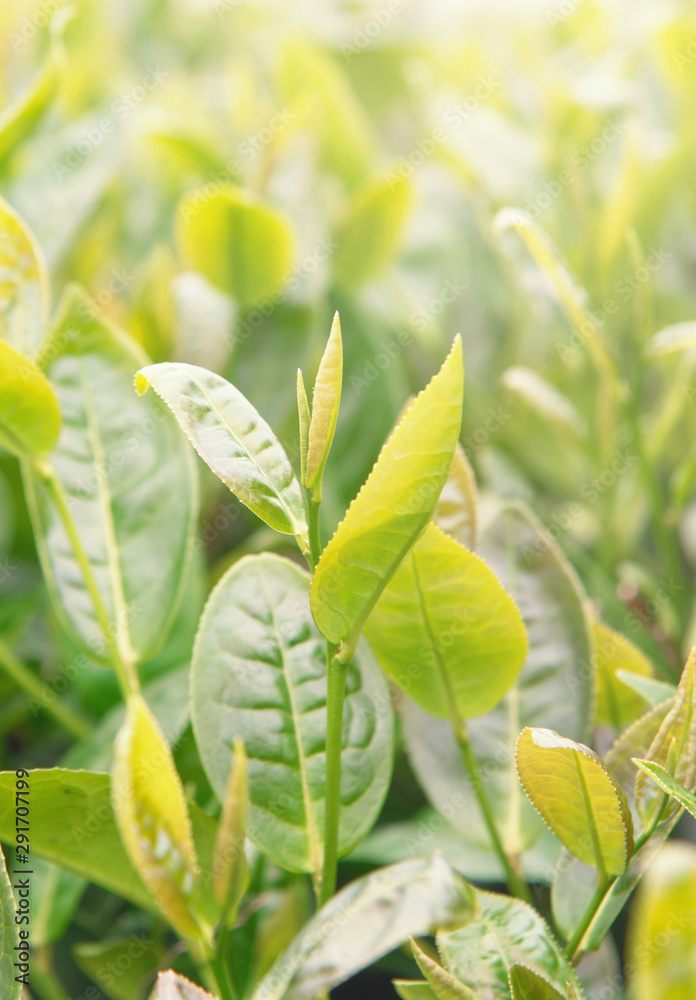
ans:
(371, 234)
(617, 704)
(230, 870)
(29, 412)
(304, 418)
(24, 285)
(543, 398)
(651, 691)
(444, 985)
(525, 984)
(234, 440)
(446, 631)
(364, 921)
(241, 244)
(677, 337)
(577, 796)
(667, 783)
(326, 400)
(457, 509)
(259, 674)
(152, 816)
(391, 510)
(9, 937)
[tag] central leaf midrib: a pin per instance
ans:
(449, 693)
(596, 846)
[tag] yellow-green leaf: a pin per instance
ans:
(444, 985)
(525, 984)
(673, 338)
(29, 411)
(666, 782)
(304, 418)
(446, 630)
(24, 287)
(661, 951)
(152, 816)
(414, 990)
(617, 704)
(577, 796)
(230, 870)
(674, 746)
(325, 403)
(391, 510)
(241, 244)
(457, 508)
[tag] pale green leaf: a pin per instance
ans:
(543, 398)
(391, 510)
(367, 919)
(502, 932)
(9, 937)
(673, 338)
(575, 793)
(525, 984)
(240, 243)
(230, 870)
(259, 674)
(326, 400)
(152, 815)
(446, 631)
(660, 954)
(666, 782)
(444, 985)
(29, 412)
(651, 691)
(304, 418)
(234, 440)
(554, 688)
(24, 284)
(413, 990)
(617, 705)
(127, 478)
(457, 509)
(171, 986)
(372, 231)
(55, 895)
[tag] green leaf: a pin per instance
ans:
(525, 984)
(660, 955)
(259, 674)
(29, 412)
(391, 510)
(24, 284)
(152, 816)
(617, 706)
(73, 826)
(577, 796)
(502, 932)
(304, 419)
(240, 243)
(446, 631)
(9, 937)
(325, 403)
(671, 339)
(55, 895)
(543, 398)
(371, 234)
(444, 985)
(127, 479)
(364, 921)
(171, 986)
(408, 990)
(651, 691)
(554, 688)
(457, 509)
(674, 746)
(230, 870)
(133, 959)
(666, 782)
(234, 440)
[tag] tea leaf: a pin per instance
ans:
(617, 706)
(414, 990)
(444, 985)
(543, 398)
(446, 604)
(325, 403)
(372, 231)
(652, 691)
(673, 338)
(259, 674)
(241, 244)
(87, 841)
(171, 986)
(577, 796)
(525, 984)
(304, 419)
(230, 870)
(9, 937)
(502, 932)
(364, 921)
(24, 284)
(29, 412)
(390, 511)
(554, 688)
(132, 957)
(126, 477)
(666, 782)
(661, 957)
(55, 895)
(152, 816)
(457, 509)
(234, 440)
(676, 739)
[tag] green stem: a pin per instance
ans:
(516, 884)
(589, 915)
(27, 680)
(125, 669)
(313, 529)
(221, 969)
(336, 686)
(204, 962)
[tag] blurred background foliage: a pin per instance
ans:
(222, 175)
